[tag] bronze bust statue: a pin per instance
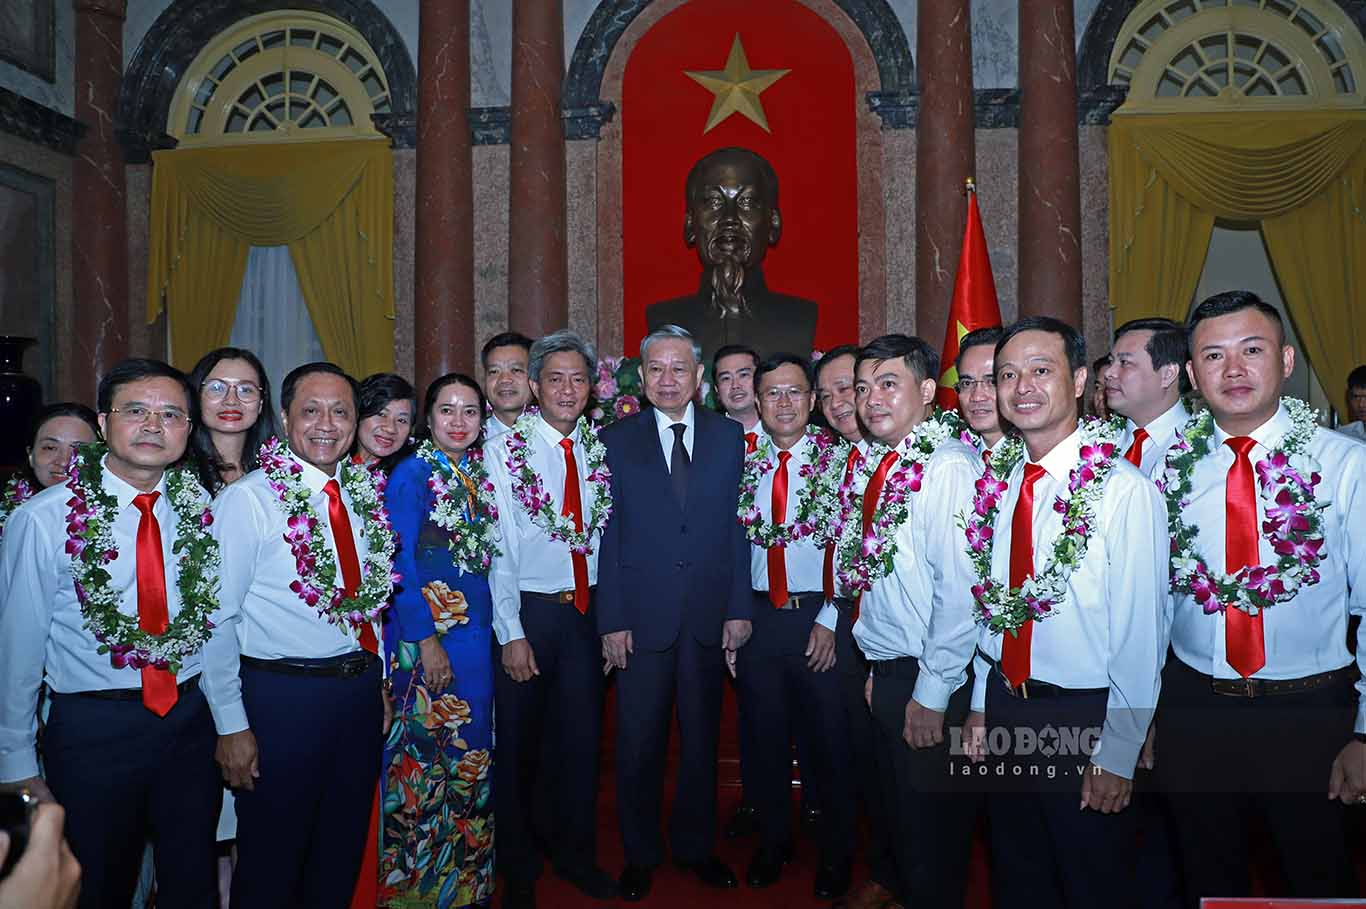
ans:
(732, 217)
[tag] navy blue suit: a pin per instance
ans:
(672, 575)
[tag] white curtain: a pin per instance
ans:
(272, 320)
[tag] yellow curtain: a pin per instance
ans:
(330, 202)
(1300, 174)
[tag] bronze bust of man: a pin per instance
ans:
(732, 218)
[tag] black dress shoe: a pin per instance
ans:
(592, 882)
(712, 872)
(519, 894)
(744, 822)
(635, 883)
(767, 865)
(832, 880)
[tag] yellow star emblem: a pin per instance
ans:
(737, 87)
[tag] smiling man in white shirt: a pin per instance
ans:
(303, 726)
(504, 361)
(548, 693)
(913, 619)
(976, 387)
(1076, 652)
(783, 673)
(1143, 384)
(1258, 712)
(128, 749)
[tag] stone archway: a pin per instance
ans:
(884, 75)
(180, 33)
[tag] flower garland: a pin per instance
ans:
(90, 543)
(1294, 527)
(17, 492)
(1002, 608)
(818, 502)
(861, 559)
(528, 489)
(473, 543)
(317, 581)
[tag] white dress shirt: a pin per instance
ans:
(663, 422)
(1355, 430)
(42, 633)
(1161, 433)
(924, 608)
(804, 560)
(493, 428)
(1308, 634)
(270, 621)
(1106, 631)
(530, 560)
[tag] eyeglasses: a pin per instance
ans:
(217, 390)
(965, 386)
(790, 394)
(171, 419)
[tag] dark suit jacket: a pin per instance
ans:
(662, 568)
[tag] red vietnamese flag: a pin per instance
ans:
(974, 300)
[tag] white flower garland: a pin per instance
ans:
(1286, 479)
(473, 542)
(90, 543)
(1002, 608)
(863, 560)
(817, 506)
(528, 489)
(317, 583)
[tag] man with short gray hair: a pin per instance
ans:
(553, 499)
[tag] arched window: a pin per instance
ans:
(282, 75)
(1180, 55)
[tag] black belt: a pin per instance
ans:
(130, 694)
(794, 600)
(1256, 688)
(558, 596)
(900, 668)
(1033, 688)
(346, 666)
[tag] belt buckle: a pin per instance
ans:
(354, 668)
(1023, 690)
(565, 596)
(1241, 687)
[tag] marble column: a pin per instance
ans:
(443, 305)
(538, 271)
(1049, 163)
(99, 235)
(945, 156)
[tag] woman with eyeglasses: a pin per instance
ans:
(235, 415)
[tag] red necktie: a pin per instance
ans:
(1243, 639)
(777, 565)
(828, 574)
(1135, 453)
(751, 442)
(340, 523)
(870, 497)
(573, 508)
(158, 685)
(1015, 647)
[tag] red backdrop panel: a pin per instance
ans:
(811, 114)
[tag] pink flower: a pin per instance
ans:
(1286, 516)
(626, 405)
(606, 387)
(979, 535)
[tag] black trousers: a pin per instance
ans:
(301, 832)
(931, 812)
(687, 675)
(559, 713)
(1046, 852)
(126, 775)
(779, 696)
(1225, 761)
(853, 669)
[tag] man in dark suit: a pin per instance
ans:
(673, 595)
